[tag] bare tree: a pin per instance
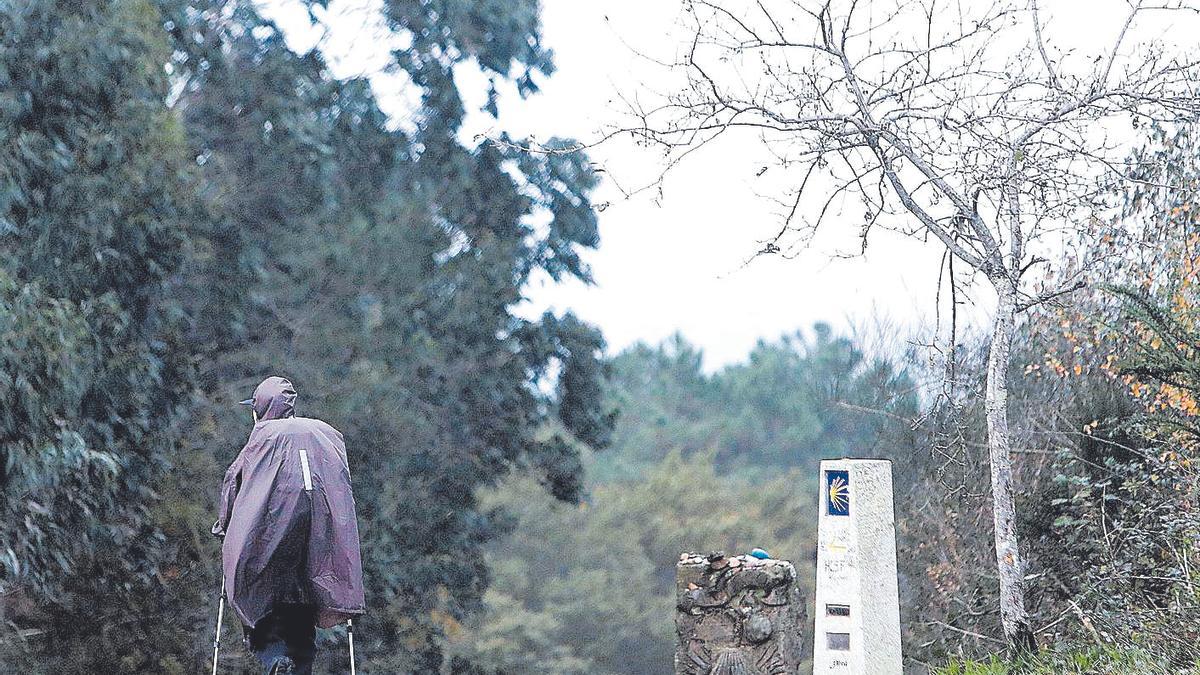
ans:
(945, 120)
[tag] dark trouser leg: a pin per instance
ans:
(301, 637)
(265, 642)
(289, 630)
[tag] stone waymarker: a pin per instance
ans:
(738, 616)
(857, 623)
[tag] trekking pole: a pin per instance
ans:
(220, 614)
(350, 634)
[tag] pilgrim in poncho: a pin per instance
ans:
(290, 555)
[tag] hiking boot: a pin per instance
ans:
(283, 665)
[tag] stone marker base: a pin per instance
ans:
(738, 616)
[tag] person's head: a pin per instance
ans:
(274, 398)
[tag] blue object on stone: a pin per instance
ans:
(760, 554)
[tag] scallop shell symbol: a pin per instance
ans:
(733, 662)
(839, 494)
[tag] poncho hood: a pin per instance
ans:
(274, 399)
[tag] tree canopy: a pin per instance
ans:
(190, 205)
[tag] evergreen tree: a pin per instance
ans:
(95, 197)
(790, 404)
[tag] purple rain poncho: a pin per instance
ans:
(287, 515)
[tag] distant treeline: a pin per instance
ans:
(699, 462)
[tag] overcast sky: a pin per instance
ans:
(677, 260)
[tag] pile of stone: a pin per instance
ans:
(741, 613)
(717, 560)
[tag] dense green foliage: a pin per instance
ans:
(169, 240)
(793, 402)
(95, 199)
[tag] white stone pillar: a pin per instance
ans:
(857, 617)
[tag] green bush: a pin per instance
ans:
(1084, 661)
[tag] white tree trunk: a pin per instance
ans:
(1013, 616)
